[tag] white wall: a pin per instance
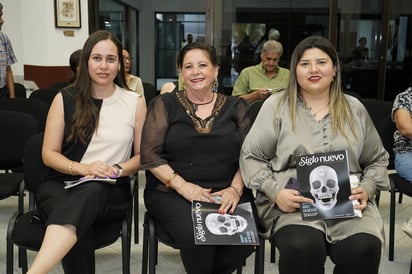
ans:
(13, 28)
(31, 29)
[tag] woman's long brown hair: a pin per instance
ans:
(85, 118)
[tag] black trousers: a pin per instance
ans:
(86, 207)
(303, 250)
(173, 214)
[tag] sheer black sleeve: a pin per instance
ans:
(244, 122)
(153, 135)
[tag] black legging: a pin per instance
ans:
(303, 250)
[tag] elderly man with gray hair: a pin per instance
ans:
(259, 81)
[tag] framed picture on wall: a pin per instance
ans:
(67, 13)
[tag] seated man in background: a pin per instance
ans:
(259, 81)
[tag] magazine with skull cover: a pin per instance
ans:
(324, 178)
(213, 228)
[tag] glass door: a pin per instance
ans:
(359, 45)
(119, 18)
(373, 37)
(173, 31)
(399, 49)
(240, 28)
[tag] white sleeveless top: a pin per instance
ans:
(113, 140)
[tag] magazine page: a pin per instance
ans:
(324, 178)
(70, 184)
(213, 228)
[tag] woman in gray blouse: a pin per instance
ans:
(313, 116)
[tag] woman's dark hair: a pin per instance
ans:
(74, 63)
(85, 118)
(211, 51)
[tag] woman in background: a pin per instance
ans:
(133, 82)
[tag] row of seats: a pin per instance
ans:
(386, 127)
(26, 229)
(39, 101)
(47, 94)
(22, 121)
(21, 159)
(24, 124)
(380, 112)
(44, 94)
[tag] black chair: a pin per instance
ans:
(16, 130)
(386, 128)
(34, 107)
(253, 112)
(26, 229)
(377, 109)
(60, 85)
(153, 233)
(135, 179)
(45, 94)
(149, 92)
(20, 90)
(353, 93)
(254, 109)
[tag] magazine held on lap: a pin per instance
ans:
(324, 178)
(70, 184)
(213, 228)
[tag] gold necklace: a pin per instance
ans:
(314, 113)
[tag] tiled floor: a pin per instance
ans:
(108, 260)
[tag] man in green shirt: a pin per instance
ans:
(259, 81)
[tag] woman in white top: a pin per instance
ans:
(93, 130)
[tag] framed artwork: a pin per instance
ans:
(67, 13)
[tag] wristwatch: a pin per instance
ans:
(119, 168)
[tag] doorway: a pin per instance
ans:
(172, 31)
